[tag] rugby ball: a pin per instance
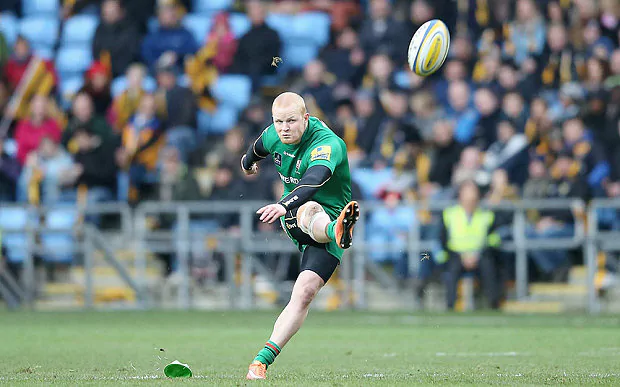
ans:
(428, 48)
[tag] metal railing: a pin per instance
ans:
(82, 233)
(248, 242)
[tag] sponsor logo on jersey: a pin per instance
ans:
(290, 226)
(289, 154)
(277, 159)
(297, 166)
(288, 179)
(291, 200)
(323, 152)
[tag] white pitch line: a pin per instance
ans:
(479, 354)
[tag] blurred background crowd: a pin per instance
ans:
(106, 100)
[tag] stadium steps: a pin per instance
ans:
(531, 307)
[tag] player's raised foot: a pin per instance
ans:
(345, 224)
(257, 370)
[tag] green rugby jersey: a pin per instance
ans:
(319, 146)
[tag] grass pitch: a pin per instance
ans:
(332, 349)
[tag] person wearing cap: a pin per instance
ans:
(171, 38)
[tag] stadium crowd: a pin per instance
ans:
(526, 105)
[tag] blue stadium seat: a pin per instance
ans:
(224, 118)
(73, 61)
(312, 27)
(41, 7)
(234, 90)
(198, 25)
(58, 246)
(281, 23)
(40, 30)
(9, 27)
(298, 55)
(211, 6)
(14, 218)
(119, 84)
(79, 30)
(240, 24)
(44, 52)
(68, 88)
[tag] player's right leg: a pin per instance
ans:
(314, 221)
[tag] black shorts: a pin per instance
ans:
(315, 258)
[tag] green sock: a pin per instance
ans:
(331, 230)
(268, 354)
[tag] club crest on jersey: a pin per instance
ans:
(277, 159)
(323, 152)
(297, 166)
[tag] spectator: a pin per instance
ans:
(514, 109)
(97, 85)
(380, 72)
(382, 33)
(426, 114)
(581, 147)
(17, 64)
(257, 47)
(369, 118)
(345, 60)
(527, 32)
(316, 87)
(94, 160)
(459, 109)
(9, 174)
(51, 167)
(125, 105)
(509, 153)
(559, 59)
(116, 36)
(30, 131)
(224, 42)
(486, 105)
(445, 157)
(177, 182)
(470, 167)
(84, 116)
(388, 232)
(567, 182)
(170, 38)
(255, 118)
(395, 130)
(467, 237)
(179, 105)
(571, 97)
(142, 140)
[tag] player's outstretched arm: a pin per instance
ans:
(310, 182)
(255, 153)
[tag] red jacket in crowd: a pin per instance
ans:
(28, 136)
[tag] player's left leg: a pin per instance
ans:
(314, 221)
(317, 266)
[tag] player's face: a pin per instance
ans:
(290, 124)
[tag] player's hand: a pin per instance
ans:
(253, 169)
(271, 213)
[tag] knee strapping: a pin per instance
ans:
(302, 217)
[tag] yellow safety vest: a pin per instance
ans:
(468, 234)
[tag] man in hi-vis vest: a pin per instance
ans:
(468, 240)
